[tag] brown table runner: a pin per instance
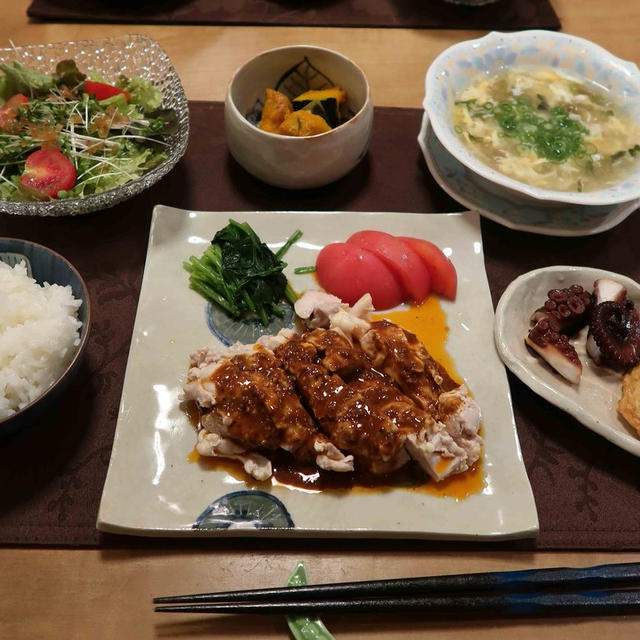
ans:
(52, 475)
(504, 14)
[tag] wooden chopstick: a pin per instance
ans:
(522, 605)
(607, 575)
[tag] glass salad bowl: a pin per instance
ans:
(130, 55)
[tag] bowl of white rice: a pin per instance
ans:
(44, 326)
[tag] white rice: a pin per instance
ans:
(39, 333)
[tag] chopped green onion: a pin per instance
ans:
(554, 136)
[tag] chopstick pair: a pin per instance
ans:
(598, 590)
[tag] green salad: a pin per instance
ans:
(69, 135)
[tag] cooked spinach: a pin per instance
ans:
(241, 274)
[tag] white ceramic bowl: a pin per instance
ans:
(290, 162)
(457, 67)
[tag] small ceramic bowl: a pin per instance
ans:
(292, 162)
(46, 265)
(458, 66)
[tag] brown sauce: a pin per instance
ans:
(428, 322)
(288, 474)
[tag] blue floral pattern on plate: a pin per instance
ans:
(245, 510)
(229, 330)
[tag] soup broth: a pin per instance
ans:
(547, 130)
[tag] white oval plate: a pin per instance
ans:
(594, 401)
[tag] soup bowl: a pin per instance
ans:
(297, 162)
(459, 66)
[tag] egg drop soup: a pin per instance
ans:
(547, 130)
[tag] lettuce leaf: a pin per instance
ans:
(142, 92)
(97, 176)
(69, 74)
(96, 76)
(19, 79)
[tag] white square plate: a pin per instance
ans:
(152, 489)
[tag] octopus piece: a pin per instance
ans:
(249, 400)
(615, 327)
(567, 310)
(604, 290)
(555, 348)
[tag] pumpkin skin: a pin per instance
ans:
(325, 103)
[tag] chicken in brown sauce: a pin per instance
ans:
(348, 394)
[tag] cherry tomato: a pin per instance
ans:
(101, 90)
(48, 171)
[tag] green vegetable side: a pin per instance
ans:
(111, 135)
(241, 274)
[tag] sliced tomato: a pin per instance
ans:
(102, 91)
(9, 110)
(444, 279)
(403, 261)
(347, 271)
(48, 171)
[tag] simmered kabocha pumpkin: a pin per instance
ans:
(309, 114)
(276, 108)
(325, 103)
(303, 123)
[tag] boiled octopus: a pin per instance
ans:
(566, 309)
(556, 349)
(615, 327)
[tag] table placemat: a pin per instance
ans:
(504, 14)
(586, 489)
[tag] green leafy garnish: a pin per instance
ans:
(633, 152)
(241, 274)
(69, 74)
(551, 133)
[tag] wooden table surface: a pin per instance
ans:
(77, 594)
